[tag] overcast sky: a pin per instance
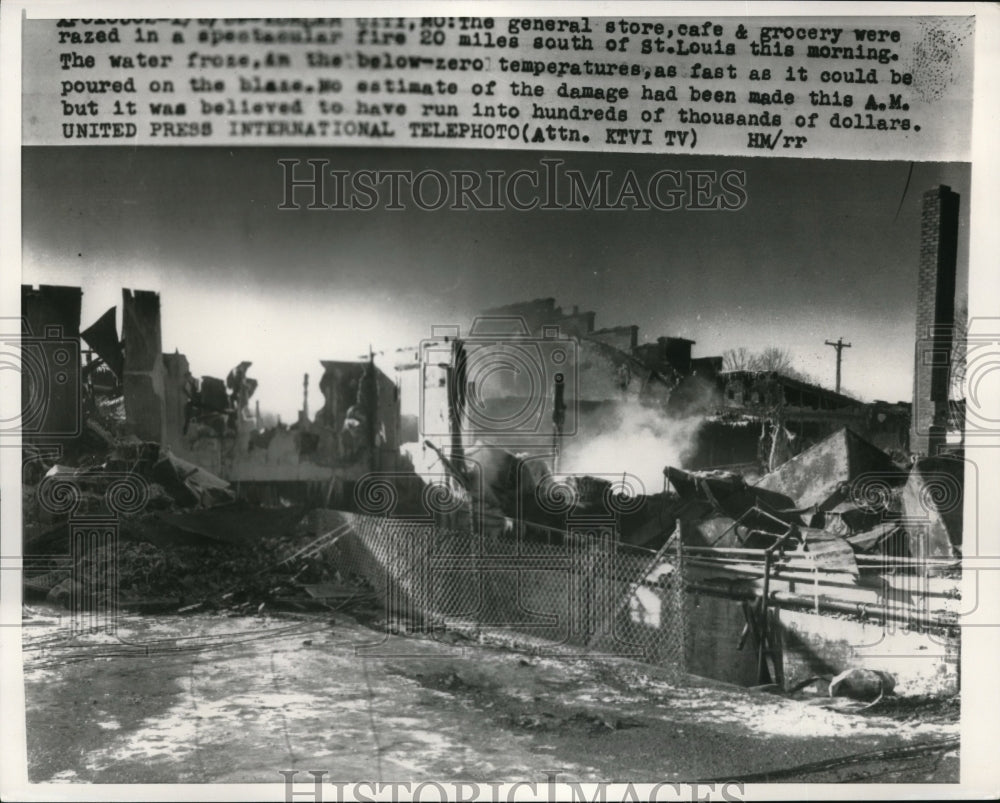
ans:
(817, 252)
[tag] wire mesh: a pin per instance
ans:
(577, 591)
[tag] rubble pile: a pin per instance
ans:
(842, 496)
(839, 498)
(182, 541)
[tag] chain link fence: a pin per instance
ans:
(573, 592)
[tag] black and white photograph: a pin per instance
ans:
(484, 436)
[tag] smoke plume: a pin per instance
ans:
(632, 439)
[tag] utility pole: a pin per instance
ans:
(372, 412)
(840, 345)
(558, 419)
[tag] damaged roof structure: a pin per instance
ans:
(842, 485)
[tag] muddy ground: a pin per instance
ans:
(213, 698)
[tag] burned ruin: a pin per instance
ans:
(796, 521)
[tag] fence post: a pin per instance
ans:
(680, 603)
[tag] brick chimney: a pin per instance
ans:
(935, 319)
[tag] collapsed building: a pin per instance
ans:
(130, 384)
(748, 420)
(808, 520)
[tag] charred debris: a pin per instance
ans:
(217, 502)
(775, 481)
